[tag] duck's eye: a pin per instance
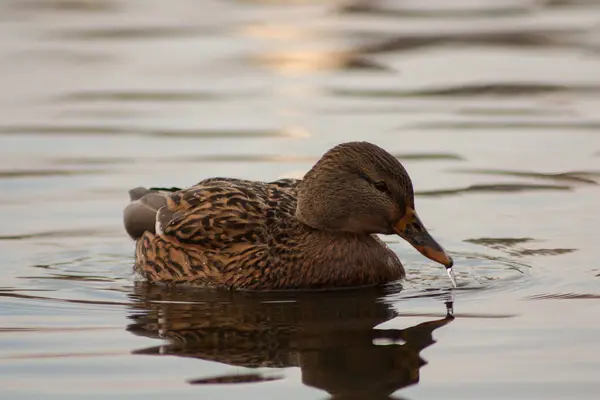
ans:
(382, 187)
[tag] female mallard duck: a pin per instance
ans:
(318, 232)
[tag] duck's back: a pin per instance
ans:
(216, 233)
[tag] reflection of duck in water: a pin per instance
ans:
(317, 232)
(330, 336)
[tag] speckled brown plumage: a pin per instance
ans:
(242, 234)
(286, 234)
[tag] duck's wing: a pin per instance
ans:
(216, 232)
(210, 211)
(215, 214)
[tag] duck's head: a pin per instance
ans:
(358, 187)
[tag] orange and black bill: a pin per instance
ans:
(411, 229)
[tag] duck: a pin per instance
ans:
(318, 232)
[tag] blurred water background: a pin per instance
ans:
(492, 106)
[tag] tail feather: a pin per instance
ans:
(140, 215)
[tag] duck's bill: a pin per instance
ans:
(411, 229)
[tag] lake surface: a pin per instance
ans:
(492, 106)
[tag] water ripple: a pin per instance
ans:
(170, 133)
(234, 378)
(492, 188)
(506, 124)
(500, 89)
(577, 177)
(565, 296)
(132, 33)
(36, 173)
(141, 96)
(513, 247)
(67, 233)
(391, 10)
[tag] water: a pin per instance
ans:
(492, 107)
